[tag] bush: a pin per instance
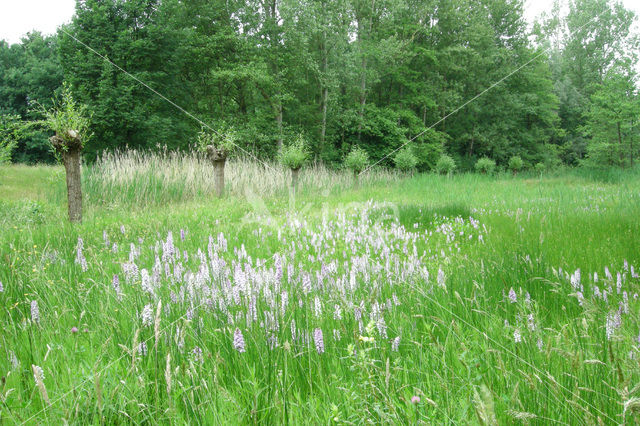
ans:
(224, 140)
(295, 154)
(485, 165)
(9, 134)
(515, 164)
(540, 168)
(445, 165)
(357, 160)
(67, 117)
(405, 159)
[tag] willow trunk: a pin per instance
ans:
(294, 180)
(218, 166)
(71, 162)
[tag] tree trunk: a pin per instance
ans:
(71, 161)
(294, 179)
(279, 122)
(294, 187)
(620, 145)
(70, 148)
(325, 90)
(219, 176)
(631, 146)
(363, 95)
(218, 158)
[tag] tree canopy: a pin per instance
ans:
(372, 74)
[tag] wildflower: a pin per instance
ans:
(35, 312)
(142, 348)
(1, 287)
(318, 340)
(415, 399)
(74, 330)
(14, 360)
(395, 344)
(596, 291)
(381, 325)
(80, 259)
(613, 323)
(238, 341)
(337, 313)
(336, 335)
(197, 354)
(531, 322)
(147, 315)
(517, 337)
(575, 278)
(146, 281)
(317, 306)
(366, 339)
(306, 283)
(540, 344)
(512, 295)
(441, 278)
(182, 238)
(122, 230)
(116, 283)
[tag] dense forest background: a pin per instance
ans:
(372, 73)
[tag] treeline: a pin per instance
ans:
(345, 73)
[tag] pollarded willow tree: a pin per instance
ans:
(357, 160)
(70, 122)
(217, 145)
(294, 156)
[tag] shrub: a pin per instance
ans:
(68, 119)
(295, 154)
(357, 160)
(223, 140)
(405, 159)
(9, 134)
(485, 165)
(445, 165)
(515, 164)
(540, 168)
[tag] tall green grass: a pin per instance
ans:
(458, 353)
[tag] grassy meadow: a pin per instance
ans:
(425, 299)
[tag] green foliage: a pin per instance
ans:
(485, 165)
(612, 120)
(295, 154)
(405, 160)
(343, 73)
(66, 115)
(30, 72)
(224, 139)
(10, 130)
(356, 160)
(515, 163)
(585, 225)
(540, 168)
(445, 165)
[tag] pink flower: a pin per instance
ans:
(74, 330)
(415, 399)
